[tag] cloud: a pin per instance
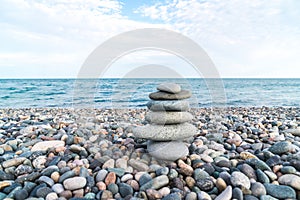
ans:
(242, 37)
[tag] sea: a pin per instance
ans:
(133, 93)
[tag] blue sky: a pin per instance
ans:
(244, 38)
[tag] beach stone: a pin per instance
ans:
(67, 194)
(162, 171)
(44, 145)
(118, 171)
(23, 169)
(290, 180)
(267, 197)
(240, 179)
(46, 180)
(191, 196)
(165, 132)
(13, 162)
(109, 164)
(4, 184)
(101, 185)
(106, 194)
(110, 178)
(262, 177)
(153, 194)
(225, 195)
(58, 188)
(221, 184)
(295, 132)
(258, 189)
(52, 196)
(168, 105)
(203, 195)
(248, 171)
(168, 117)
(185, 168)
(156, 183)
(126, 177)
(280, 191)
(125, 189)
(101, 175)
(274, 160)
(237, 193)
(288, 170)
(66, 175)
(121, 163)
(28, 186)
(140, 166)
(183, 94)
(250, 197)
(170, 150)
(205, 184)
(74, 183)
(280, 147)
(164, 191)
(200, 174)
(21, 194)
(258, 164)
(172, 196)
(39, 162)
(145, 178)
(113, 188)
(169, 87)
(43, 192)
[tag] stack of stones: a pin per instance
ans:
(168, 123)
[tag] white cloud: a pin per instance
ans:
(241, 36)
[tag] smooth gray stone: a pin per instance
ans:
(169, 87)
(280, 191)
(168, 105)
(183, 94)
(168, 117)
(225, 195)
(171, 150)
(165, 132)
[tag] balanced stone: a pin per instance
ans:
(165, 132)
(168, 105)
(183, 94)
(161, 150)
(169, 87)
(168, 117)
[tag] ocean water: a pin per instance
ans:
(133, 93)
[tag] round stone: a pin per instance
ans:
(125, 189)
(168, 105)
(74, 183)
(169, 87)
(165, 132)
(258, 189)
(171, 150)
(290, 180)
(225, 195)
(168, 117)
(240, 179)
(183, 94)
(280, 147)
(280, 191)
(43, 146)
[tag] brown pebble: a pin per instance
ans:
(4, 184)
(101, 185)
(110, 178)
(153, 194)
(78, 193)
(55, 176)
(221, 184)
(134, 184)
(60, 149)
(66, 194)
(190, 182)
(185, 168)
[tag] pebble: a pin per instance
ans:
(171, 150)
(280, 191)
(109, 164)
(13, 162)
(58, 188)
(74, 183)
(258, 189)
(101, 175)
(290, 180)
(21, 194)
(156, 183)
(43, 146)
(125, 189)
(168, 105)
(200, 174)
(280, 147)
(46, 180)
(168, 117)
(140, 166)
(172, 196)
(169, 87)
(225, 195)
(51, 196)
(240, 179)
(183, 94)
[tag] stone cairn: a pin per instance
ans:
(168, 118)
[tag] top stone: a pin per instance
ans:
(169, 87)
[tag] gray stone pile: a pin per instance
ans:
(169, 122)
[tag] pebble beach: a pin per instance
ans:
(237, 153)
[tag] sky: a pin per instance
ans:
(243, 38)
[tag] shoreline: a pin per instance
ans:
(249, 152)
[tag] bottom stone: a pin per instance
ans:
(170, 151)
